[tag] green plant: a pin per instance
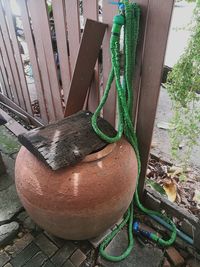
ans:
(183, 85)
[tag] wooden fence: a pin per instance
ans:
(50, 40)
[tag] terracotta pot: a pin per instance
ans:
(81, 201)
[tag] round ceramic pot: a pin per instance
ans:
(81, 201)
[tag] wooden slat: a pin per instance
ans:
(35, 121)
(91, 11)
(18, 56)
(67, 141)
(52, 70)
(14, 96)
(154, 52)
(2, 84)
(109, 11)
(32, 6)
(61, 37)
(33, 59)
(11, 56)
(73, 29)
(87, 57)
(5, 77)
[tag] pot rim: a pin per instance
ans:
(100, 154)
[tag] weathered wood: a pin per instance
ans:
(33, 59)
(61, 38)
(109, 110)
(158, 22)
(66, 142)
(87, 57)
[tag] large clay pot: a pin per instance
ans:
(81, 201)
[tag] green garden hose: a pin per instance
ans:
(129, 18)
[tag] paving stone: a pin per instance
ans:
(48, 263)
(8, 232)
(25, 255)
(85, 246)
(46, 245)
(4, 258)
(98, 240)
(19, 245)
(68, 263)
(175, 257)
(78, 257)
(8, 142)
(63, 254)
(37, 260)
(10, 204)
(59, 242)
(147, 256)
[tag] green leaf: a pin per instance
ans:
(155, 186)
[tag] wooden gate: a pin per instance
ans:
(38, 49)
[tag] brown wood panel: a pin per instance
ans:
(36, 25)
(73, 29)
(11, 56)
(91, 11)
(61, 36)
(144, 7)
(33, 59)
(14, 95)
(158, 23)
(48, 50)
(5, 77)
(109, 11)
(87, 57)
(18, 56)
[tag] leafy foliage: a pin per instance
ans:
(183, 85)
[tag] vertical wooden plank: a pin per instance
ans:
(61, 37)
(33, 58)
(5, 77)
(52, 70)
(144, 8)
(87, 57)
(2, 84)
(158, 23)
(11, 57)
(14, 96)
(109, 11)
(18, 56)
(73, 29)
(91, 11)
(33, 9)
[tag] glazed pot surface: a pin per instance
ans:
(81, 201)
